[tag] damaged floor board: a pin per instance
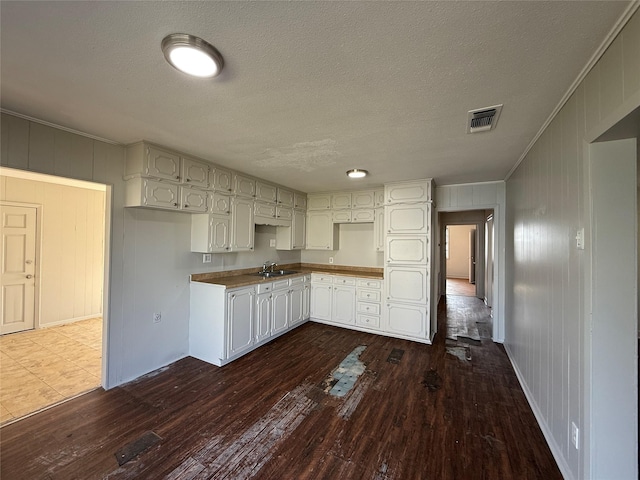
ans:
(206, 414)
(135, 448)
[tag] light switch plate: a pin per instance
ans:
(580, 239)
(272, 242)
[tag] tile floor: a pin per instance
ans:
(41, 367)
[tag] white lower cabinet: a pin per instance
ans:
(225, 324)
(335, 299)
(344, 305)
(321, 295)
(407, 320)
(240, 305)
(407, 285)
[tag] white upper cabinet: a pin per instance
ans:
(341, 216)
(319, 202)
(407, 250)
(244, 186)
(266, 192)
(242, 225)
(285, 197)
(407, 192)
(364, 199)
(194, 173)
(299, 201)
(407, 218)
(162, 164)
(219, 204)
(264, 211)
(145, 192)
(210, 234)
(320, 231)
(193, 200)
(364, 215)
(341, 200)
(284, 213)
(222, 180)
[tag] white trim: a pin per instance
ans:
(59, 127)
(608, 40)
(490, 182)
(556, 451)
(66, 321)
(43, 177)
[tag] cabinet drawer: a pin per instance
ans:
(344, 281)
(369, 283)
(321, 278)
(281, 284)
(369, 295)
(296, 280)
(265, 287)
(369, 308)
(368, 321)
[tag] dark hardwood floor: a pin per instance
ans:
(414, 412)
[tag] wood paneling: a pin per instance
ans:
(428, 415)
(14, 146)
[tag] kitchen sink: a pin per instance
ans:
(275, 273)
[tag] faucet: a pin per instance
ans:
(268, 265)
(272, 266)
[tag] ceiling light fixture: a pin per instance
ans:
(357, 173)
(192, 55)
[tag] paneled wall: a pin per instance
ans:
(547, 275)
(72, 247)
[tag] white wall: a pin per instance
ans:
(357, 248)
(459, 252)
(71, 268)
(547, 276)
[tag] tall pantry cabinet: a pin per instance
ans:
(408, 217)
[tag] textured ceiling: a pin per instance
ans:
(309, 89)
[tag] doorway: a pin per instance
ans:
(460, 259)
(53, 264)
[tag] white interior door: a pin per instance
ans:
(18, 234)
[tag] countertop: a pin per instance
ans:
(245, 277)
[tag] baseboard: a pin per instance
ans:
(69, 320)
(556, 451)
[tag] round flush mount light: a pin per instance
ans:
(192, 55)
(357, 173)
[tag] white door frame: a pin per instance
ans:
(38, 271)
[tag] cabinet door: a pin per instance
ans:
(219, 234)
(366, 215)
(284, 213)
(160, 194)
(407, 250)
(195, 173)
(319, 230)
(378, 230)
(341, 200)
(342, 216)
(244, 186)
(319, 202)
(285, 197)
(240, 305)
(321, 295)
(219, 204)
(162, 164)
(407, 284)
(222, 180)
(279, 311)
(298, 229)
(193, 200)
(296, 304)
(299, 201)
(364, 199)
(242, 226)
(264, 210)
(263, 316)
(344, 305)
(266, 192)
(406, 192)
(408, 320)
(412, 219)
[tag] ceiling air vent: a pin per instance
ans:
(483, 119)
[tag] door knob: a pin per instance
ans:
(29, 276)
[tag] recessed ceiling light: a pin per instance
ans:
(357, 173)
(192, 55)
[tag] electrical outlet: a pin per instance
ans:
(272, 242)
(575, 435)
(206, 258)
(330, 259)
(157, 317)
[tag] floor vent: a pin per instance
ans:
(483, 119)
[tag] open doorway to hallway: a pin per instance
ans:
(53, 244)
(460, 258)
